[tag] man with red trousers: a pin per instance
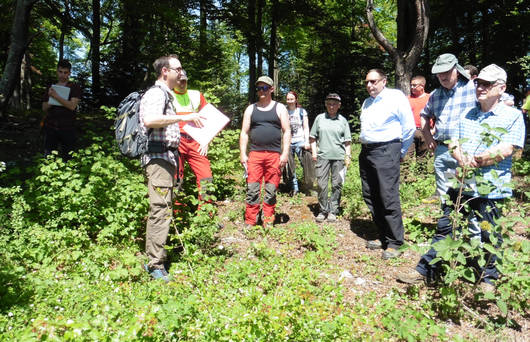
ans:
(263, 124)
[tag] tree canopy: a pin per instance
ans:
(312, 47)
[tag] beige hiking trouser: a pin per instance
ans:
(160, 184)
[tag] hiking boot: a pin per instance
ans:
(332, 217)
(321, 217)
(411, 277)
(486, 287)
(374, 244)
(391, 253)
(157, 273)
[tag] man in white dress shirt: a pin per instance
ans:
(387, 131)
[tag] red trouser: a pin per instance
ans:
(200, 165)
(262, 165)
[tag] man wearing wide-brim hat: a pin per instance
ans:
(456, 95)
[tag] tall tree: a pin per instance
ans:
(19, 40)
(411, 39)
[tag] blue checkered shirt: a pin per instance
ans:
(446, 106)
(153, 103)
(470, 128)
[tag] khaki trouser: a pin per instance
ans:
(160, 184)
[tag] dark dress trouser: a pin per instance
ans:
(379, 166)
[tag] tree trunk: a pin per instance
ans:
(25, 82)
(411, 39)
(203, 10)
(19, 38)
(259, 36)
(272, 60)
(251, 50)
(94, 47)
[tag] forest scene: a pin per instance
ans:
(73, 228)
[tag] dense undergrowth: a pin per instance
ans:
(71, 248)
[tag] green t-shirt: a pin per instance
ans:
(331, 134)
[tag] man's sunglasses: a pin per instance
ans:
(263, 88)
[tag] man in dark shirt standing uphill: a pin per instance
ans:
(59, 122)
(264, 122)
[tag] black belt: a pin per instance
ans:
(378, 144)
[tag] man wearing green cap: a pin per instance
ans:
(455, 96)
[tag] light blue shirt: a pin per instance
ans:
(386, 117)
(471, 128)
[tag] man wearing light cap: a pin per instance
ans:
(188, 101)
(490, 162)
(263, 125)
(455, 96)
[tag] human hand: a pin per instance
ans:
(203, 150)
(196, 119)
(283, 160)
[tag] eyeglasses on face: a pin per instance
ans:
(484, 84)
(263, 88)
(416, 85)
(179, 69)
(374, 82)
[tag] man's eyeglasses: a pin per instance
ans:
(374, 82)
(263, 88)
(484, 84)
(179, 69)
(416, 85)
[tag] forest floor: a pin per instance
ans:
(363, 271)
(360, 270)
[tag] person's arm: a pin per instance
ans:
(494, 154)
(154, 116)
(70, 104)
(286, 129)
(313, 143)
(408, 126)
(426, 115)
(347, 147)
(306, 131)
(460, 156)
(243, 136)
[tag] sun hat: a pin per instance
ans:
(446, 62)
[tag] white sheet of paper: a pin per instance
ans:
(214, 121)
(63, 92)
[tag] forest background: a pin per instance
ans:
(312, 47)
(72, 233)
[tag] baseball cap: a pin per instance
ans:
(446, 62)
(492, 73)
(266, 80)
(333, 96)
(183, 75)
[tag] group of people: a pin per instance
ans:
(450, 121)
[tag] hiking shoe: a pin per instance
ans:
(321, 217)
(374, 244)
(157, 273)
(391, 253)
(411, 277)
(332, 217)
